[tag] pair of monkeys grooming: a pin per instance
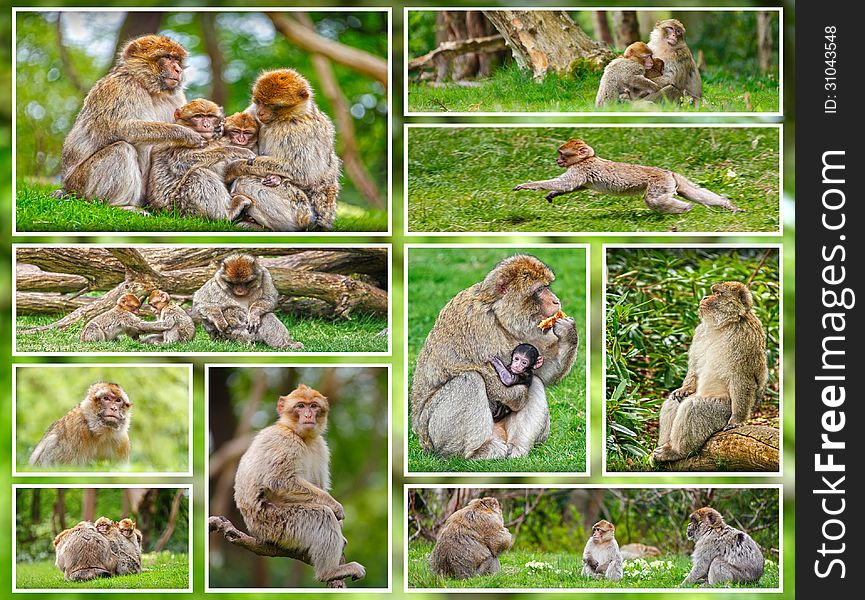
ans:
(525, 358)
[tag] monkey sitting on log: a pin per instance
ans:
(585, 170)
(123, 319)
(471, 540)
(721, 553)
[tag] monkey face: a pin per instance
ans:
(728, 301)
(603, 531)
(519, 362)
(126, 527)
(241, 137)
(702, 521)
(104, 525)
(239, 275)
(673, 31)
(112, 407)
(547, 302)
(304, 410)
(158, 299)
(129, 302)
(573, 152)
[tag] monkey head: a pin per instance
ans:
(104, 525)
(155, 61)
(704, 520)
(657, 66)
(729, 302)
(603, 531)
(158, 299)
(304, 411)
(202, 116)
(126, 527)
(518, 290)
(639, 52)
(280, 94)
(106, 405)
(573, 152)
(239, 275)
(523, 358)
(670, 31)
(129, 303)
(488, 505)
(241, 130)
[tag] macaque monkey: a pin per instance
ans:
(585, 170)
(726, 377)
(122, 319)
(96, 429)
(667, 42)
(281, 486)
(721, 553)
(524, 359)
(190, 180)
(237, 303)
(241, 130)
(182, 327)
(627, 73)
(296, 143)
(471, 540)
(129, 529)
(124, 547)
(83, 553)
(638, 550)
(601, 556)
(640, 96)
(107, 152)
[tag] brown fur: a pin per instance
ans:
(241, 124)
(601, 556)
(281, 486)
(726, 377)
(451, 386)
(82, 553)
(106, 154)
(627, 74)
(296, 142)
(471, 540)
(182, 327)
(237, 303)
(638, 550)
(120, 320)
(667, 42)
(87, 433)
(124, 547)
(722, 554)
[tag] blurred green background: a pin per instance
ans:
(158, 432)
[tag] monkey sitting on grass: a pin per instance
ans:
(524, 359)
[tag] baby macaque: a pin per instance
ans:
(123, 319)
(182, 328)
(601, 557)
(241, 130)
(524, 359)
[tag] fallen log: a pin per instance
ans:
(491, 43)
(748, 448)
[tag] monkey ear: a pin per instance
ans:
(711, 517)
(280, 404)
(744, 295)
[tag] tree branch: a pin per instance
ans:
(445, 50)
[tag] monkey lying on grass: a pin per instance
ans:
(101, 549)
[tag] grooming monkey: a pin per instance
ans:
(721, 553)
(296, 143)
(96, 429)
(107, 152)
(123, 319)
(182, 328)
(281, 486)
(667, 42)
(585, 170)
(237, 303)
(726, 377)
(630, 73)
(83, 553)
(601, 556)
(471, 540)
(190, 180)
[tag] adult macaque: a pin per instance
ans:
(471, 540)
(83, 553)
(726, 377)
(281, 486)
(96, 429)
(452, 387)
(123, 319)
(107, 152)
(601, 556)
(627, 73)
(721, 553)
(296, 143)
(585, 170)
(237, 303)
(667, 42)
(182, 327)
(190, 180)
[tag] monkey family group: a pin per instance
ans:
(493, 341)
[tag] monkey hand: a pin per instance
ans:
(253, 321)
(271, 180)
(680, 394)
(190, 138)
(565, 329)
(730, 426)
(338, 511)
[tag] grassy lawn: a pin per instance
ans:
(430, 287)
(542, 570)
(461, 179)
(511, 90)
(162, 570)
(36, 210)
(317, 335)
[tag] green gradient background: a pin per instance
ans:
(396, 359)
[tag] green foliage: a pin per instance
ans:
(159, 431)
(461, 179)
(430, 287)
(651, 313)
(317, 335)
(162, 571)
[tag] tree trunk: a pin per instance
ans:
(88, 504)
(172, 521)
(218, 89)
(547, 41)
(479, 26)
(627, 27)
(746, 448)
(602, 27)
(60, 511)
(764, 41)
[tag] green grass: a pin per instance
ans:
(36, 210)
(162, 570)
(512, 90)
(317, 335)
(430, 287)
(560, 570)
(461, 179)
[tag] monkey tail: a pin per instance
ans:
(88, 573)
(691, 191)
